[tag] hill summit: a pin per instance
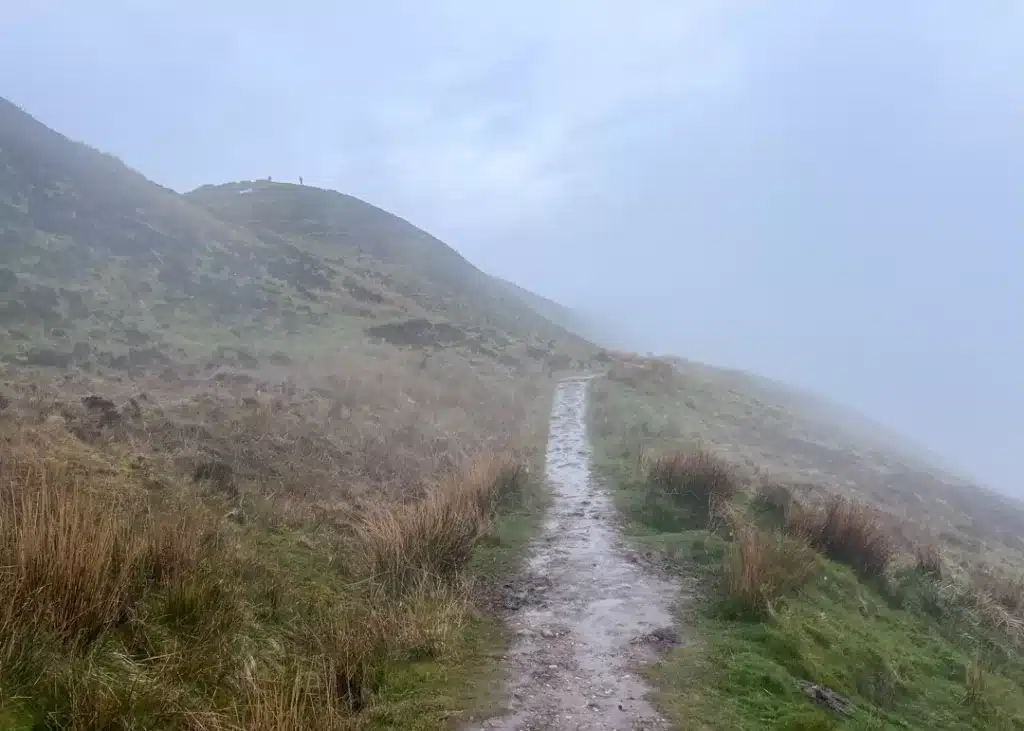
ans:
(100, 267)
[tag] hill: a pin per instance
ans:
(778, 430)
(416, 289)
(269, 453)
(101, 267)
(842, 579)
(270, 459)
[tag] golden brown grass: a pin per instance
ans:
(694, 477)
(359, 423)
(846, 531)
(928, 559)
(776, 430)
(324, 549)
(762, 565)
(77, 554)
(93, 575)
(435, 536)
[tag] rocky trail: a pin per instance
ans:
(589, 614)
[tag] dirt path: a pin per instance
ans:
(588, 610)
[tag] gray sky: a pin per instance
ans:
(828, 192)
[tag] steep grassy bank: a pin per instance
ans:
(799, 589)
(261, 555)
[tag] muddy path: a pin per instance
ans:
(589, 613)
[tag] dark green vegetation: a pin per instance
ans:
(263, 453)
(798, 587)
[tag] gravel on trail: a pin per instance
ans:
(587, 613)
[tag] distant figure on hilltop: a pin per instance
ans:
(300, 181)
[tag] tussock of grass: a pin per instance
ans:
(977, 602)
(694, 479)
(974, 681)
(847, 531)
(436, 535)
(773, 504)
(761, 567)
(928, 560)
(76, 559)
(1007, 591)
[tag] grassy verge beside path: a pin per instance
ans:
(796, 594)
(135, 598)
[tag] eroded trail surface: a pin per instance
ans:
(588, 609)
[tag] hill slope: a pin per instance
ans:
(258, 443)
(789, 435)
(101, 267)
(376, 266)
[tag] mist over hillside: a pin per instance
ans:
(856, 391)
(300, 345)
(100, 268)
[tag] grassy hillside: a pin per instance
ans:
(554, 311)
(812, 572)
(100, 267)
(773, 430)
(268, 455)
(407, 287)
(842, 422)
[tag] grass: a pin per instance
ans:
(207, 561)
(846, 531)
(762, 566)
(803, 587)
(696, 481)
(263, 454)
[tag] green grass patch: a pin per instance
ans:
(904, 652)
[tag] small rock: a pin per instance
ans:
(664, 637)
(826, 697)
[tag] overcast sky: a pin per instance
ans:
(829, 192)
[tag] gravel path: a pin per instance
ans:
(589, 613)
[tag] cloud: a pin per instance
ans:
(825, 191)
(473, 114)
(508, 113)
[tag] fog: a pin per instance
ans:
(830, 193)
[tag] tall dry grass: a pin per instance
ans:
(325, 541)
(929, 561)
(358, 423)
(695, 478)
(762, 565)
(846, 531)
(79, 548)
(435, 536)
